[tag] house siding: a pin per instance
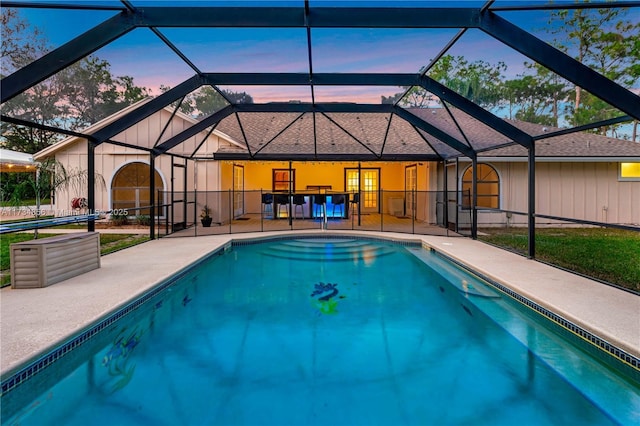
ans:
(110, 158)
(587, 191)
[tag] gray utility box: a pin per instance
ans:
(40, 263)
(396, 206)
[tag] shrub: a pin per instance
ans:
(143, 220)
(119, 219)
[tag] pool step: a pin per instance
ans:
(319, 250)
(324, 248)
(322, 242)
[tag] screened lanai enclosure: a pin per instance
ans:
(442, 112)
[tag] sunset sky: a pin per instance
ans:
(145, 57)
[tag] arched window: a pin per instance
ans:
(488, 187)
(130, 188)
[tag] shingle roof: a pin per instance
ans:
(387, 136)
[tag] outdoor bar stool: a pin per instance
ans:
(281, 200)
(319, 200)
(338, 201)
(353, 201)
(267, 203)
(298, 201)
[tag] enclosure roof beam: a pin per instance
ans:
(597, 124)
(318, 17)
(319, 79)
(240, 156)
(561, 64)
(318, 107)
(39, 126)
(65, 55)
(434, 131)
(76, 6)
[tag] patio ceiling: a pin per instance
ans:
(313, 126)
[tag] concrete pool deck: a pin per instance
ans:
(35, 320)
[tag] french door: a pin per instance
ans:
(410, 186)
(368, 183)
(238, 190)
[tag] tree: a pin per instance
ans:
(17, 46)
(414, 97)
(391, 99)
(606, 40)
(93, 93)
(208, 100)
(479, 81)
(410, 97)
(20, 46)
(73, 98)
(535, 97)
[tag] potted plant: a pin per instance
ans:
(205, 216)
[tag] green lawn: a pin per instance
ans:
(610, 255)
(108, 244)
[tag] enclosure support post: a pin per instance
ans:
(290, 201)
(173, 199)
(35, 231)
(359, 194)
(532, 201)
(474, 198)
(152, 195)
(91, 184)
(195, 206)
(445, 198)
(458, 194)
(184, 192)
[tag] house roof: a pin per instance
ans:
(383, 136)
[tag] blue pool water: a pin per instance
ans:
(325, 332)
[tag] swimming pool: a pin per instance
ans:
(322, 331)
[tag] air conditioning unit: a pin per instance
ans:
(395, 207)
